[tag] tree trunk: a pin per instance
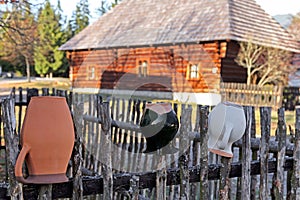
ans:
(248, 75)
(27, 69)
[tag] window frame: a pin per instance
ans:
(91, 73)
(193, 74)
(142, 71)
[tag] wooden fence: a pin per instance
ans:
(291, 97)
(252, 95)
(108, 162)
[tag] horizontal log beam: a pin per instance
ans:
(94, 185)
(273, 146)
(114, 123)
(255, 144)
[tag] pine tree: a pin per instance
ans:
(107, 5)
(47, 57)
(80, 18)
(69, 32)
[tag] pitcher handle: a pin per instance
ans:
(226, 135)
(19, 163)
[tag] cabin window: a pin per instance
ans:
(193, 71)
(143, 68)
(91, 73)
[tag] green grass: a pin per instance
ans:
(289, 120)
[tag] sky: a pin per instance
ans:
(273, 7)
(278, 7)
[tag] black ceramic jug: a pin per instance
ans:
(159, 124)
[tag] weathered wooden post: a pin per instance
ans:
(204, 153)
(20, 108)
(45, 91)
(224, 178)
(31, 92)
(161, 177)
(45, 192)
(278, 179)
(254, 155)
(246, 158)
(184, 158)
(77, 157)
(265, 123)
(134, 187)
(295, 183)
(11, 147)
(106, 152)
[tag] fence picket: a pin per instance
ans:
(204, 153)
(278, 179)
(106, 152)
(11, 147)
(77, 158)
(184, 158)
(295, 182)
(265, 122)
(246, 159)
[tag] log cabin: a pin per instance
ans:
(179, 49)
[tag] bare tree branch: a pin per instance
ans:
(265, 65)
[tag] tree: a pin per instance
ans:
(80, 18)
(295, 27)
(248, 58)
(48, 59)
(265, 65)
(276, 67)
(107, 5)
(17, 35)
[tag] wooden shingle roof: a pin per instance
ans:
(140, 23)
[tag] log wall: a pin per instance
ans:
(167, 67)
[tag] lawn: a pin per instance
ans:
(59, 83)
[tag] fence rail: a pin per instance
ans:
(265, 167)
(252, 95)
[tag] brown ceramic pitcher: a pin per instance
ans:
(47, 139)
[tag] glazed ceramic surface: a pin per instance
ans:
(47, 139)
(226, 124)
(159, 124)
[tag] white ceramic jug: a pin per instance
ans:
(226, 124)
